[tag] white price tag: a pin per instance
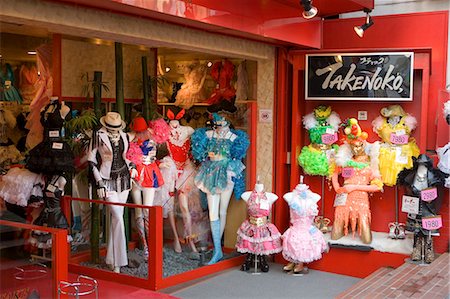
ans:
(264, 205)
(410, 204)
(57, 145)
(400, 158)
(329, 131)
(400, 132)
(51, 188)
(53, 134)
(340, 199)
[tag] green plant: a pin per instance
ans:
(89, 86)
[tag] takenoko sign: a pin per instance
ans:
(359, 76)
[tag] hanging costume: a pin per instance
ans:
(444, 152)
(9, 92)
(303, 242)
(224, 95)
(191, 91)
(397, 147)
(318, 157)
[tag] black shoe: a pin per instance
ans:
(263, 263)
(248, 262)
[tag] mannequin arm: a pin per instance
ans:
(246, 195)
(335, 181)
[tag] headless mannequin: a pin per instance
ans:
(143, 196)
(178, 137)
(271, 198)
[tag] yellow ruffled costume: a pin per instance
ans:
(395, 157)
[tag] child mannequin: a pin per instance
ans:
(256, 236)
(303, 242)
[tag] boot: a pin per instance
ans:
(429, 252)
(263, 263)
(76, 224)
(248, 262)
(217, 253)
(416, 254)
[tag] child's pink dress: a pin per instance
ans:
(303, 242)
(256, 234)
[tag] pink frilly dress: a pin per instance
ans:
(303, 242)
(256, 234)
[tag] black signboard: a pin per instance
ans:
(359, 76)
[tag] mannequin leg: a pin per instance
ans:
(263, 263)
(225, 197)
(76, 211)
(416, 254)
(136, 195)
(429, 251)
(116, 255)
(183, 201)
(213, 205)
(176, 240)
(366, 234)
(338, 229)
(248, 262)
(148, 195)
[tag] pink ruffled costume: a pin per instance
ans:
(303, 242)
(256, 235)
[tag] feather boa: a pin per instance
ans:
(344, 155)
(199, 143)
(240, 145)
(447, 108)
(377, 123)
(334, 120)
(374, 152)
(134, 153)
(309, 121)
(161, 130)
(410, 122)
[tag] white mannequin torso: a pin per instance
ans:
(271, 197)
(178, 133)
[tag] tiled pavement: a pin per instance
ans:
(407, 281)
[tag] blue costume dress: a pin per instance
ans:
(215, 175)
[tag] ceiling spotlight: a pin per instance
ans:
(31, 52)
(209, 64)
(309, 11)
(369, 22)
(167, 69)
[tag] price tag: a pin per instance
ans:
(53, 134)
(348, 172)
(329, 138)
(340, 199)
(51, 188)
(400, 132)
(432, 223)
(399, 139)
(330, 131)
(410, 204)
(400, 158)
(428, 194)
(57, 145)
(264, 205)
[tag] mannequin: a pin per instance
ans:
(219, 152)
(420, 177)
(224, 95)
(303, 242)
(142, 153)
(318, 157)
(179, 146)
(360, 172)
(394, 127)
(257, 236)
(444, 152)
(191, 91)
(111, 171)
